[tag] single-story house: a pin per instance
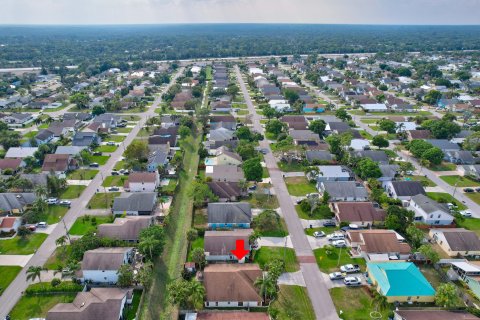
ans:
(226, 191)
(375, 155)
(101, 265)
(433, 314)
(400, 282)
(472, 171)
(359, 144)
(231, 285)
(444, 144)
(85, 139)
(343, 190)
(59, 164)
(224, 173)
(374, 107)
(314, 156)
(378, 245)
(70, 150)
(126, 229)
(389, 172)
(11, 164)
(44, 136)
(230, 315)
(10, 223)
(157, 158)
(459, 157)
(98, 303)
(429, 211)
(403, 190)
(418, 134)
(142, 182)
(456, 241)
(135, 204)
(20, 152)
(15, 203)
(333, 173)
(363, 214)
(229, 215)
(219, 244)
(224, 158)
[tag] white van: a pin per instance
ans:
(352, 281)
(52, 201)
(336, 236)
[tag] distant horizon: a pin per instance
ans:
(232, 23)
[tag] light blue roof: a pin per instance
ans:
(400, 279)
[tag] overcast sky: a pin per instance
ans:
(216, 11)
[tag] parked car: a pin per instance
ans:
(32, 227)
(113, 189)
(350, 227)
(329, 223)
(352, 281)
(336, 236)
(409, 173)
(319, 234)
(350, 268)
(339, 243)
(252, 188)
(65, 203)
(466, 213)
(121, 125)
(96, 153)
(52, 201)
(115, 173)
(336, 276)
(477, 189)
(468, 190)
(110, 143)
(42, 224)
(94, 165)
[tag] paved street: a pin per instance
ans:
(316, 286)
(13, 293)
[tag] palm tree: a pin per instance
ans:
(39, 205)
(34, 272)
(61, 242)
(242, 184)
(41, 191)
(268, 288)
(380, 301)
(147, 245)
(197, 294)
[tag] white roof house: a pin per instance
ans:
(374, 107)
(359, 144)
(406, 126)
(21, 152)
(255, 70)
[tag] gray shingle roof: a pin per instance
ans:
(318, 155)
(345, 189)
(443, 144)
(408, 188)
(11, 201)
(230, 212)
(462, 240)
(429, 205)
(138, 201)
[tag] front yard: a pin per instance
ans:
(264, 255)
(444, 166)
(460, 181)
(355, 303)
(299, 186)
(18, 245)
(37, 306)
(72, 192)
(470, 224)
(117, 181)
(443, 197)
(474, 196)
(8, 275)
(293, 303)
(102, 200)
(322, 212)
(263, 201)
(292, 167)
(105, 148)
(86, 224)
(330, 262)
(53, 214)
(82, 174)
(101, 160)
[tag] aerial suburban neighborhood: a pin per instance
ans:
(195, 179)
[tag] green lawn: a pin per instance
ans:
(30, 134)
(198, 243)
(131, 311)
(37, 306)
(474, 196)
(365, 134)
(8, 275)
(460, 181)
(105, 148)
(443, 197)
(280, 230)
(82, 174)
(330, 263)
(101, 160)
(85, 224)
(293, 167)
(445, 166)
(170, 188)
(355, 303)
(200, 218)
(118, 181)
(72, 192)
(124, 130)
(18, 245)
(102, 200)
(265, 173)
(424, 180)
(470, 224)
(58, 257)
(369, 120)
(299, 186)
(119, 165)
(293, 303)
(263, 201)
(322, 212)
(266, 254)
(208, 73)
(53, 214)
(327, 230)
(116, 138)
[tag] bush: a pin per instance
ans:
(55, 282)
(47, 288)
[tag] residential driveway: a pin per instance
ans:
(292, 279)
(47, 230)
(317, 291)
(316, 243)
(275, 242)
(78, 182)
(339, 283)
(293, 174)
(314, 223)
(14, 260)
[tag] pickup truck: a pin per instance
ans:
(350, 268)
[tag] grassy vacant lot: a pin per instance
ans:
(355, 303)
(72, 192)
(322, 212)
(18, 245)
(29, 307)
(105, 148)
(8, 274)
(445, 198)
(263, 201)
(444, 166)
(172, 184)
(299, 186)
(330, 262)
(293, 167)
(102, 200)
(82, 174)
(114, 181)
(293, 303)
(53, 214)
(474, 196)
(280, 230)
(460, 181)
(86, 224)
(327, 230)
(470, 224)
(424, 180)
(266, 254)
(101, 160)
(265, 173)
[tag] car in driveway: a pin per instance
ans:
(94, 165)
(352, 281)
(319, 234)
(350, 268)
(466, 213)
(115, 173)
(477, 189)
(113, 189)
(339, 243)
(110, 143)
(336, 236)
(65, 203)
(336, 276)
(52, 201)
(329, 223)
(468, 190)
(42, 224)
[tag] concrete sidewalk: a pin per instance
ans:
(292, 279)
(275, 242)
(14, 260)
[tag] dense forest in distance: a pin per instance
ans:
(34, 46)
